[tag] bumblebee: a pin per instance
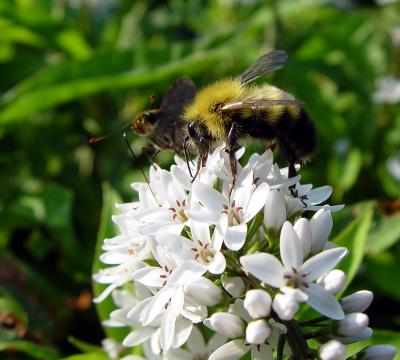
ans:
(164, 126)
(229, 111)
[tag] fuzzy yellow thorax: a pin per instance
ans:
(203, 108)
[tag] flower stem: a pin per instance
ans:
(297, 342)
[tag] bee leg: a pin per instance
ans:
(230, 147)
(187, 156)
(151, 153)
(291, 158)
(203, 155)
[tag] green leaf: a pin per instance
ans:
(52, 95)
(88, 356)
(107, 229)
(84, 346)
(385, 233)
(33, 350)
(354, 237)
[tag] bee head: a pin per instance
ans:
(143, 123)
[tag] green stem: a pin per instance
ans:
(297, 342)
(312, 321)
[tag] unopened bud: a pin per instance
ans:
(321, 226)
(235, 286)
(375, 352)
(226, 324)
(352, 324)
(357, 302)
(334, 281)
(257, 303)
(257, 332)
(303, 230)
(204, 292)
(285, 306)
(332, 350)
(364, 334)
(274, 210)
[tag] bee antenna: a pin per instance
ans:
(96, 139)
(125, 135)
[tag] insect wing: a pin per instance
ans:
(178, 95)
(258, 104)
(268, 62)
(170, 131)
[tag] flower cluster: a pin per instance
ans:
(236, 256)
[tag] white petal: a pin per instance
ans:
(181, 177)
(218, 265)
(215, 342)
(264, 267)
(186, 273)
(235, 236)
(324, 302)
(150, 276)
(177, 301)
(319, 195)
(138, 336)
(242, 191)
(291, 248)
(208, 196)
(200, 232)
(138, 310)
(204, 215)
(257, 201)
(183, 328)
(274, 210)
(233, 350)
(157, 305)
(322, 263)
(219, 232)
(167, 330)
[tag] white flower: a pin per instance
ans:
(332, 350)
(294, 275)
(196, 348)
(387, 90)
(357, 302)
(375, 352)
(242, 205)
(203, 248)
(257, 303)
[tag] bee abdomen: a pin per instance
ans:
(299, 131)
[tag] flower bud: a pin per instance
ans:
(332, 350)
(364, 334)
(285, 306)
(274, 210)
(381, 352)
(303, 230)
(352, 324)
(257, 303)
(334, 281)
(235, 286)
(204, 292)
(357, 302)
(257, 332)
(226, 324)
(321, 226)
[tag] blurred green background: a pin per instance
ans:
(72, 69)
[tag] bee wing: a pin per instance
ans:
(258, 104)
(264, 64)
(178, 95)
